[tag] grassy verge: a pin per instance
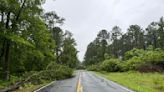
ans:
(4, 84)
(140, 82)
(30, 87)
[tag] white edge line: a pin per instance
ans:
(44, 86)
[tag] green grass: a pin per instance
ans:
(30, 87)
(139, 82)
(4, 84)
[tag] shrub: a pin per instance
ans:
(95, 67)
(133, 63)
(111, 65)
(148, 61)
(154, 57)
(137, 60)
(134, 53)
(79, 67)
(153, 62)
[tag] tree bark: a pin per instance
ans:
(2, 17)
(3, 42)
(6, 68)
(20, 10)
(2, 49)
(6, 55)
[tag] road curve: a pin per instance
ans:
(89, 82)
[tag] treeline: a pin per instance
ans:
(133, 49)
(31, 41)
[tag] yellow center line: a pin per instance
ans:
(79, 86)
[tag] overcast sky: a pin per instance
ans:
(85, 18)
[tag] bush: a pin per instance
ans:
(133, 63)
(136, 60)
(134, 53)
(111, 65)
(148, 61)
(153, 62)
(79, 67)
(94, 67)
(154, 57)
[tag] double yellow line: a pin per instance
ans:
(79, 86)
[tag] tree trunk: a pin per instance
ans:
(6, 66)
(2, 17)
(1, 58)
(2, 50)
(155, 41)
(6, 52)
(6, 69)
(57, 55)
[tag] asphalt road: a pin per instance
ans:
(89, 82)
(67, 85)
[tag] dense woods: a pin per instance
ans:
(137, 49)
(32, 41)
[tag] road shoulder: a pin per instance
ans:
(111, 82)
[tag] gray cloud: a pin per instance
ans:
(84, 18)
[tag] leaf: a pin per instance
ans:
(17, 39)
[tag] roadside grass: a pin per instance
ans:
(12, 80)
(139, 82)
(28, 87)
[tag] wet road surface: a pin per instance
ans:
(93, 83)
(89, 81)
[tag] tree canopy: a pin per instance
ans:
(115, 44)
(31, 39)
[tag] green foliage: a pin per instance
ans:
(135, 60)
(95, 67)
(17, 39)
(119, 45)
(134, 52)
(30, 40)
(154, 57)
(4, 84)
(24, 37)
(111, 65)
(60, 71)
(133, 63)
(145, 60)
(69, 54)
(52, 72)
(96, 50)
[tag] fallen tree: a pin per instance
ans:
(52, 72)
